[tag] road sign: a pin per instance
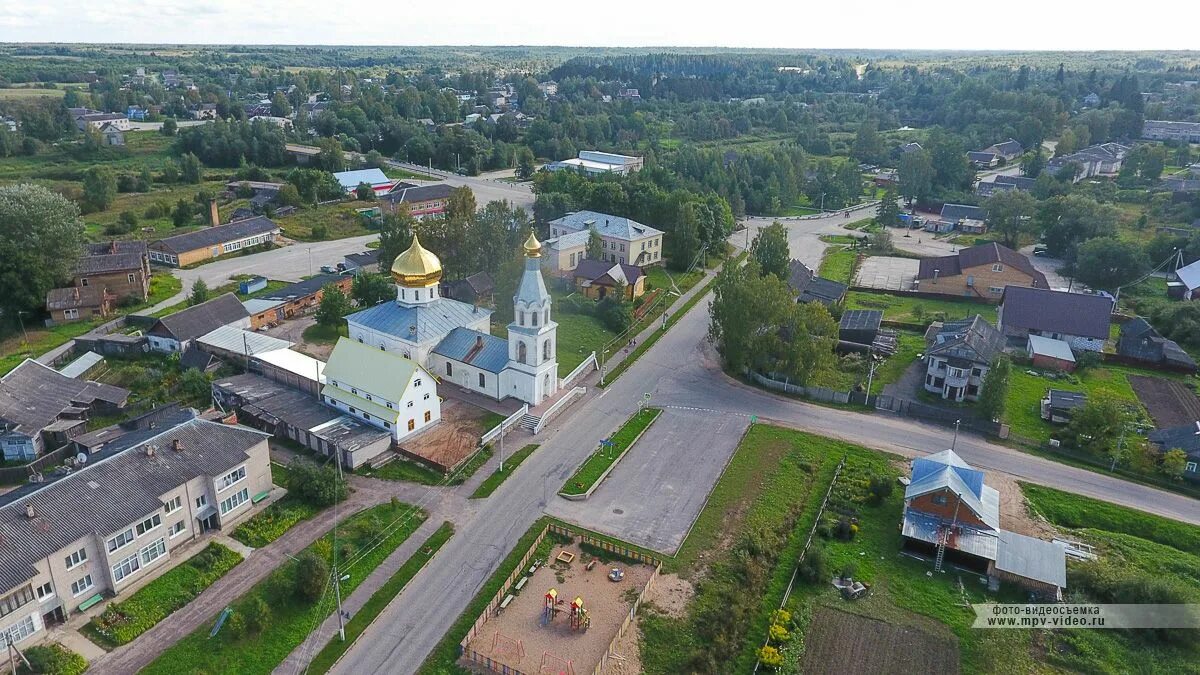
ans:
(753, 419)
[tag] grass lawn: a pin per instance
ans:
(595, 466)
(16, 93)
(489, 484)
(339, 220)
(1075, 511)
(838, 264)
(123, 621)
(578, 336)
(324, 660)
(891, 370)
(318, 334)
(404, 470)
(269, 524)
(918, 310)
(366, 539)
(1025, 392)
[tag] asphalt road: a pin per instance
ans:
(487, 187)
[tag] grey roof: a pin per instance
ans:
(957, 212)
(858, 319)
(201, 319)
(80, 365)
(569, 240)
(352, 179)
(486, 352)
(215, 236)
(1050, 311)
(100, 264)
(193, 358)
(1032, 558)
(303, 288)
(407, 193)
(1055, 349)
(111, 247)
(596, 271)
(362, 259)
(33, 395)
(431, 321)
(927, 527)
(239, 341)
(1009, 148)
(609, 226)
(972, 339)
(74, 297)
(808, 287)
(115, 492)
(1186, 438)
(1061, 399)
(1140, 341)
(982, 157)
(1189, 275)
(257, 305)
(1020, 182)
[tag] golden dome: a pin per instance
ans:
(416, 267)
(533, 247)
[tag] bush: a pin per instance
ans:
(312, 573)
(880, 488)
(258, 615)
(845, 530)
(320, 232)
(316, 485)
(770, 657)
(814, 568)
(54, 659)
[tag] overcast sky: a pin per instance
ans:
(929, 24)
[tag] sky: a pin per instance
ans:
(857, 24)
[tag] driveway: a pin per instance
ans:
(1050, 267)
(887, 273)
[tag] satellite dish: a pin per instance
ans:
(81, 458)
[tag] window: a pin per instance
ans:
(353, 391)
(235, 500)
(83, 282)
(417, 382)
(940, 500)
(426, 397)
(70, 314)
(126, 567)
(521, 352)
(202, 500)
(45, 591)
(1191, 467)
(428, 416)
(412, 424)
(16, 600)
(977, 372)
(482, 380)
(177, 529)
(148, 524)
(76, 559)
(534, 318)
(130, 278)
(409, 404)
(389, 405)
(81, 585)
(546, 350)
(120, 540)
(520, 318)
(152, 552)
(449, 369)
(238, 474)
(21, 630)
(366, 417)
(387, 426)
(174, 505)
(369, 398)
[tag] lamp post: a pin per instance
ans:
(954, 443)
(22, 322)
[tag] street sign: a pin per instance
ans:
(753, 419)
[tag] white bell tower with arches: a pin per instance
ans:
(532, 336)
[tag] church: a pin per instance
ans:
(451, 339)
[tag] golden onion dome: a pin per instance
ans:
(416, 267)
(533, 247)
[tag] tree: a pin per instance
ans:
(1032, 165)
(169, 127)
(334, 306)
(364, 192)
(258, 615)
(1174, 463)
(312, 576)
(525, 164)
(199, 292)
(595, 245)
(916, 176)
(880, 242)
(888, 213)
(1096, 426)
(331, 158)
(1010, 213)
(41, 238)
(315, 484)
(770, 250)
(994, 393)
(1109, 262)
(868, 146)
(99, 188)
(371, 289)
(1068, 220)
(183, 213)
(280, 106)
(395, 236)
(190, 168)
(289, 196)
(948, 155)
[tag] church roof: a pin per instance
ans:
(532, 289)
(417, 267)
(485, 352)
(421, 323)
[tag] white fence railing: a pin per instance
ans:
(590, 360)
(558, 405)
(504, 426)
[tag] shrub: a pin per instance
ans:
(770, 657)
(236, 625)
(54, 659)
(880, 488)
(312, 571)
(845, 530)
(779, 633)
(258, 615)
(320, 232)
(814, 568)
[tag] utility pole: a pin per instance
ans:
(14, 654)
(337, 577)
(22, 321)
(871, 372)
(309, 260)
(502, 447)
(954, 443)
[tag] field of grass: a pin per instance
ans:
(324, 660)
(891, 370)
(142, 149)
(339, 220)
(18, 93)
(1025, 392)
(578, 336)
(605, 456)
(318, 334)
(123, 621)
(1075, 511)
(366, 539)
(493, 481)
(838, 264)
(404, 470)
(918, 310)
(272, 522)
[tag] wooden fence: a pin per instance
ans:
(18, 474)
(611, 651)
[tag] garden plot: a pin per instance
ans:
(1170, 402)
(841, 643)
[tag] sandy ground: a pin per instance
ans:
(453, 438)
(670, 595)
(606, 602)
(1014, 515)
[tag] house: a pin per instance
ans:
(982, 271)
(237, 344)
(204, 111)
(475, 289)
(137, 113)
(1002, 183)
(422, 200)
(1050, 354)
(964, 216)
(111, 134)
(959, 355)
(1180, 185)
(909, 147)
(1058, 405)
(377, 179)
(808, 287)
(629, 95)
(597, 280)
(92, 120)
(595, 162)
(563, 252)
(1092, 100)
(1140, 342)
(1188, 277)
(1006, 150)
(860, 326)
(1163, 130)
(42, 409)
(622, 240)
(1185, 438)
(1081, 320)
(122, 267)
(207, 243)
(122, 518)
(74, 303)
(953, 516)
(886, 178)
(367, 261)
(983, 160)
(297, 299)
(1103, 160)
(281, 122)
(313, 109)
(383, 389)
(175, 332)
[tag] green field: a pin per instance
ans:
(18, 93)
(1025, 392)
(918, 310)
(838, 264)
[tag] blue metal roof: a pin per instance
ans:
(430, 322)
(486, 352)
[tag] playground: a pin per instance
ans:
(564, 616)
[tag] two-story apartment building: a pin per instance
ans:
(982, 271)
(65, 545)
(623, 240)
(958, 357)
(422, 200)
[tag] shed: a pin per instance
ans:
(252, 285)
(860, 325)
(1057, 405)
(80, 366)
(1049, 353)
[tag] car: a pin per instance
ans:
(328, 269)
(1041, 250)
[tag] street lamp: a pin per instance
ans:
(954, 443)
(309, 260)
(22, 322)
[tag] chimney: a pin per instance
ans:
(479, 341)
(149, 450)
(112, 246)
(30, 512)
(214, 216)
(177, 445)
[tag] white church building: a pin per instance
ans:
(450, 338)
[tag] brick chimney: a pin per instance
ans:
(112, 247)
(177, 445)
(214, 217)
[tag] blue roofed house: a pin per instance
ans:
(953, 516)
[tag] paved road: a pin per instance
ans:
(487, 187)
(804, 235)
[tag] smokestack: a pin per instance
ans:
(149, 450)
(177, 445)
(214, 216)
(30, 512)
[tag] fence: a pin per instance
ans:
(503, 427)
(19, 474)
(590, 360)
(558, 406)
(611, 651)
(819, 393)
(922, 411)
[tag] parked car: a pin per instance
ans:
(328, 269)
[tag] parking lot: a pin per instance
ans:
(887, 273)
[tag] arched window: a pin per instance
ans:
(449, 369)
(418, 296)
(546, 350)
(547, 317)
(520, 318)
(401, 293)
(534, 317)
(521, 355)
